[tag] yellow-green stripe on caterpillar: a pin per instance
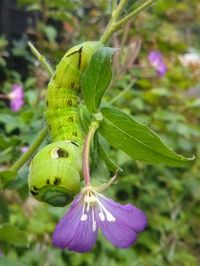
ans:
(55, 171)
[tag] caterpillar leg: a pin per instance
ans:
(41, 58)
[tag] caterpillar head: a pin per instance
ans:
(54, 175)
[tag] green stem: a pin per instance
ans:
(110, 28)
(41, 58)
(117, 12)
(134, 13)
(115, 25)
(86, 152)
(122, 93)
(114, 4)
(24, 158)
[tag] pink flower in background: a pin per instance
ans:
(156, 60)
(24, 149)
(16, 97)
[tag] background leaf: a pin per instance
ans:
(112, 166)
(97, 77)
(6, 177)
(6, 262)
(13, 235)
(137, 140)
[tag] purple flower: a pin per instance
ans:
(156, 60)
(24, 149)
(16, 97)
(90, 211)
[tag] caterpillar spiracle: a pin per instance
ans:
(55, 171)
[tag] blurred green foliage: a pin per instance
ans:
(170, 197)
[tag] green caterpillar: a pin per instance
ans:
(55, 171)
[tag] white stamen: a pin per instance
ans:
(84, 217)
(88, 207)
(102, 216)
(94, 224)
(109, 216)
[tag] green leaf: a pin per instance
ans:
(6, 177)
(4, 213)
(112, 166)
(51, 33)
(137, 140)
(7, 262)
(96, 78)
(13, 235)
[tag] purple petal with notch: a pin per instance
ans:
(129, 220)
(72, 233)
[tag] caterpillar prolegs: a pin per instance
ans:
(55, 171)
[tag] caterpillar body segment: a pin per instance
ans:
(63, 93)
(54, 175)
(55, 172)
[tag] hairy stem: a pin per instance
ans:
(134, 13)
(24, 158)
(41, 58)
(86, 152)
(114, 25)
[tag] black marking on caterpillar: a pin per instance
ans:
(57, 181)
(34, 193)
(62, 153)
(75, 134)
(69, 102)
(75, 52)
(71, 119)
(72, 85)
(75, 143)
(48, 182)
(80, 57)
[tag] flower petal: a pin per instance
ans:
(129, 220)
(127, 214)
(72, 233)
(16, 97)
(156, 60)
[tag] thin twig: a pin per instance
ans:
(41, 58)
(25, 157)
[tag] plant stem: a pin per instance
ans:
(122, 93)
(115, 25)
(114, 4)
(86, 152)
(134, 13)
(41, 58)
(24, 158)
(4, 96)
(117, 12)
(110, 29)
